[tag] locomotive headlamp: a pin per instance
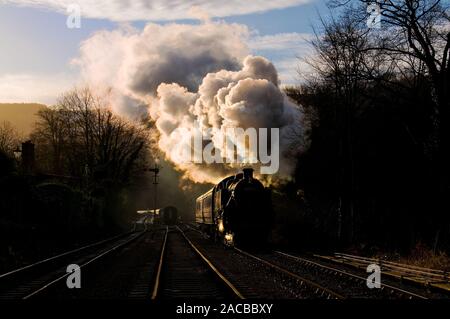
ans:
(229, 239)
(220, 225)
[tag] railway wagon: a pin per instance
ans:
(236, 211)
(168, 215)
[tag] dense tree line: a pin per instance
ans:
(87, 164)
(377, 171)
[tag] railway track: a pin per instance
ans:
(279, 282)
(33, 280)
(431, 279)
(307, 285)
(191, 267)
(350, 285)
(323, 281)
(185, 272)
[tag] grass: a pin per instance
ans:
(421, 255)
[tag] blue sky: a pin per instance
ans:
(37, 47)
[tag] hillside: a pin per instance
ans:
(21, 115)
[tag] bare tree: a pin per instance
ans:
(9, 138)
(87, 139)
(344, 69)
(50, 133)
(415, 34)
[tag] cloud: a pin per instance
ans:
(286, 51)
(33, 88)
(154, 10)
(245, 98)
(196, 80)
(280, 41)
(135, 62)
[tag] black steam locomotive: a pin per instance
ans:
(237, 211)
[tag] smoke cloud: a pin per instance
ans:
(198, 78)
(158, 10)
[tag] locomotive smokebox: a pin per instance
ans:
(248, 173)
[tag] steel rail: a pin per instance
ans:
(236, 292)
(51, 283)
(282, 270)
(392, 288)
(160, 264)
(59, 256)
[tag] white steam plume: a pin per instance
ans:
(194, 77)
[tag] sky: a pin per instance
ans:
(37, 49)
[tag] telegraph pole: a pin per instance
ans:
(155, 171)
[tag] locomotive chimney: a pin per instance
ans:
(248, 173)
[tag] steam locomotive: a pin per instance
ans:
(237, 211)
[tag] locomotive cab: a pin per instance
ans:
(237, 211)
